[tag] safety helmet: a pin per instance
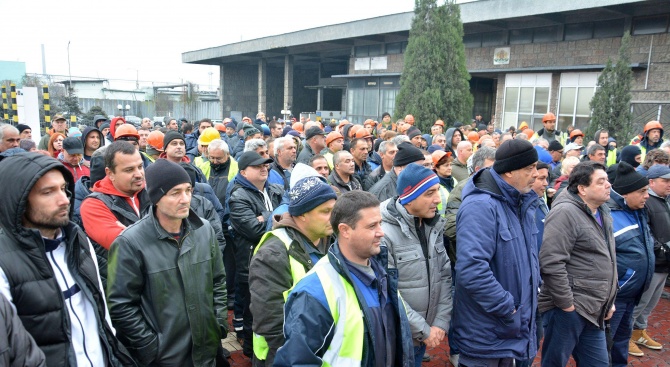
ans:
(439, 123)
(575, 133)
(126, 130)
(155, 139)
(473, 136)
(353, 130)
(208, 135)
(651, 125)
(548, 117)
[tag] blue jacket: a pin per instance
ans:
(634, 248)
(191, 142)
(307, 326)
(498, 270)
(540, 214)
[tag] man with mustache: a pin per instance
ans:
(167, 285)
(299, 239)
(116, 201)
(47, 267)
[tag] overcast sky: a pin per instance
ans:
(144, 39)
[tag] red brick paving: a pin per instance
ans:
(659, 329)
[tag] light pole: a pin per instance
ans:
(123, 109)
(68, 69)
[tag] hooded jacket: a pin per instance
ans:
(449, 136)
(270, 276)
(658, 209)
(167, 298)
(646, 146)
(424, 283)
(112, 127)
(578, 259)
(17, 347)
(84, 136)
(32, 281)
(105, 218)
(497, 270)
(634, 248)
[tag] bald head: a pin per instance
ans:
(464, 151)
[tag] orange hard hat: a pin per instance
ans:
(332, 136)
(298, 126)
(155, 139)
(548, 117)
(575, 133)
(439, 123)
(473, 136)
(126, 130)
(353, 130)
(651, 125)
(370, 122)
(529, 133)
(439, 155)
(363, 134)
(220, 127)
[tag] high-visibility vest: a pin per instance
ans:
(346, 346)
(611, 157)
(261, 347)
(206, 168)
(444, 196)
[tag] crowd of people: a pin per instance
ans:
(333, 243)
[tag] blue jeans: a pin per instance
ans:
(419, 351)
(621, 326)
(568, 333)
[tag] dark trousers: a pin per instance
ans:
(621, 326)
(229, 265)
(453, 349)
(242, 294)
(567, 333)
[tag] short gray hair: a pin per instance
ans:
(5, 127)
(337, 156)
(399, 139)
(383, 146)
(218, 144)
(480, 156)
(280, 143)
(253, 144)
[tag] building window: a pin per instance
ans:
(545, 34)
(493, 39)
(609, 28)
(526, 99)
(576, 92)
(370, 97)
(578, 31)
(520, 36)
(369, 50)
(650, 25)
(393, 48)
(472, 40)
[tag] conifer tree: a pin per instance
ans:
(435, 80)
(611, 103)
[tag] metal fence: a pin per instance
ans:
(193, 111)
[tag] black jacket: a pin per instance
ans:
(385, 188)
(204, 209)
(374, 177)
(658, 211)
(335, 180)
(246, 203)
(167, 298)
(34, 288)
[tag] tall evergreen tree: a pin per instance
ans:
(435, 80)
(611, 103)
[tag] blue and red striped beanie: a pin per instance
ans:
(413, 181)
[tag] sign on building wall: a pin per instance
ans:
(501, 56)
(370, 63)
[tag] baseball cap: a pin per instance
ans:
(251, 159)
(313, 131)
(73, 145)
(658, 171)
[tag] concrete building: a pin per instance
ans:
(526, 57)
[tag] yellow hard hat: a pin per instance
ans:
(208, 135)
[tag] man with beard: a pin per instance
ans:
(653, 137)
(299, 239)
(549, 131)
(92, 139)
(166, 288)
(47, 267)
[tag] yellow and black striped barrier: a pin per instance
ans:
(46, 104)
(5, 108)
(15, 112)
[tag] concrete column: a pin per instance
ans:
(319, 99)
(288, 83)
(262, 85)
(222, 98)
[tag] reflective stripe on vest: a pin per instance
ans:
(444, 197)
(261, 347)
(346, 346)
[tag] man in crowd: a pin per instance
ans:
(658, 211)
(315, 141)
(406, 153)
(171, 124)
(174, 147)
(556, 151)
(319, 325)
(166, 286)
(146, 124)
(548, 131)
(460, 165)
(334, 143)
(494, 319)
(9, 137)
(440, 140)
(275, 129)
(251, 201)
(72, 158)
(578, 242)
(283, 257)
(413, 229)
(48, 270)
(342, 177)
(597, 153)
(652, 137)
(387, 151)
(359, 150)
(144, 134)
(634, 254)
(58, 125)
(320, 165)
(284, 158)
(92, 139)
(25, 132)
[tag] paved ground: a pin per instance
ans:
(659, 328)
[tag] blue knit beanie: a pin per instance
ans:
(413, 181)
(307, 194)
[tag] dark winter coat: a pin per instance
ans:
(658, 210)
(385, 188)
(17, 347)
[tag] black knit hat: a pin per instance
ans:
(555, 146)
(513, 155)
(407, 153)
(23, 127)
(170, 136)
(412, 132)
(162, 176)
(628, 180)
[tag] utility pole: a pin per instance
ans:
(68, 69)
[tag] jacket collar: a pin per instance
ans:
(192, 222)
